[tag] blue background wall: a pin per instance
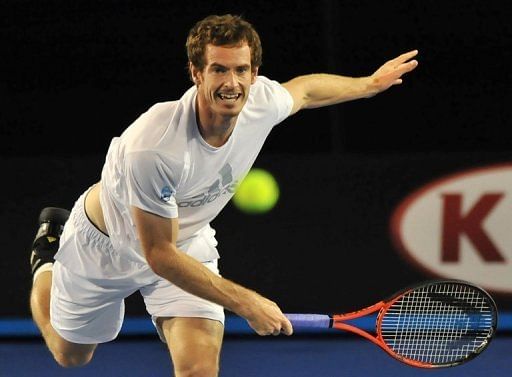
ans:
(77, 73)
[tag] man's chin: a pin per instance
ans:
(229, 110)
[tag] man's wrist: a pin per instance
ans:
(242, 304)
(370, 86)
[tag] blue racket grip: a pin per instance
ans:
(305, 321)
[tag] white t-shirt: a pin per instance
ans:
(162, 165)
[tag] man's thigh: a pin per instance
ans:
(194, 344)
(82, 311)
(166, 300)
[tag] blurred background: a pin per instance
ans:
(344, 233)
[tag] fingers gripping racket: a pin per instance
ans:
(433, 324)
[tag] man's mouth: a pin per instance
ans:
(229, 97)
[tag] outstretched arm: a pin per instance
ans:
(317, 90)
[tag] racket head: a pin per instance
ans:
(436, 324)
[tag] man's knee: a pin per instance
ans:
(65, 353)
(198, 369)
(73, 359)
(195, 345)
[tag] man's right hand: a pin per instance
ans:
(265, 317)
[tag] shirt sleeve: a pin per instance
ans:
(278, 96)
(151, 183)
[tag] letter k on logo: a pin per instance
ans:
(455, 224)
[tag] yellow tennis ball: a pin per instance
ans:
(257, 193)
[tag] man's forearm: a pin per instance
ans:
(321, 89)
(191, 276)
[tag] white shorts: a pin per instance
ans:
(88, 308)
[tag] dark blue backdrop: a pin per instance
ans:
(77, 73)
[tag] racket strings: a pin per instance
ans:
(439, 323)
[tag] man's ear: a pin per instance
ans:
(195, 74)
(254, 75)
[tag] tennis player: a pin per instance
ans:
(146, 225)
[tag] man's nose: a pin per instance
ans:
(231, 80)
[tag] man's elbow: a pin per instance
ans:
(161, 260)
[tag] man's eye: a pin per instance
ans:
(242, 69)
(219, 70)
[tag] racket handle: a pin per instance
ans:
(309, 320)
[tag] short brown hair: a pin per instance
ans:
(221, 31)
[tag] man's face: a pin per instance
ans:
(224, 83)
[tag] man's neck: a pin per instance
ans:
(214, 129)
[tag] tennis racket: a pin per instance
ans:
(431, 325)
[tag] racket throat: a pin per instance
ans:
(356, 330)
